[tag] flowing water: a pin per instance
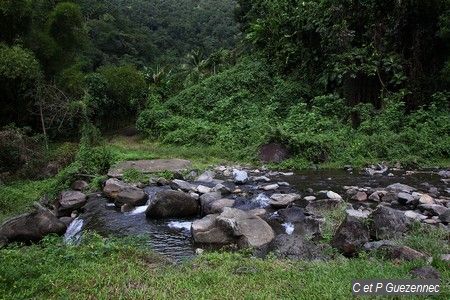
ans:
(172, 238)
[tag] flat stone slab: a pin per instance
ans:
(149, 166)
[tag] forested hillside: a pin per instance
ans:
(334, 81)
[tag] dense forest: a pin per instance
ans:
(334, 81)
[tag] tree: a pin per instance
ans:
(15, 17)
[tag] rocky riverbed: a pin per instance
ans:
(234, 207)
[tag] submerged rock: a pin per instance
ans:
(168, 204)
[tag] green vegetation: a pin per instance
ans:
(100, 268)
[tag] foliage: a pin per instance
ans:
(115, 93)
(20, 153)
(134, 176)
(248, 105)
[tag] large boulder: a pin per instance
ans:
(250, 230)
(208, 231)
(131, 196)
(351, 235)
(206, 201)
(273, 152)
(113, 187)
(168, 204)
(150, 166)
(233, 226)
(31, 227)
(218, 206)
(388, 223)
(123, 193)
(70, 201)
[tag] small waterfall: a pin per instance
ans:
(180, 225)
(138, 210)
(288, 227)
(262, 200)
(73, 232)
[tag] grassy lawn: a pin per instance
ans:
(107, 269)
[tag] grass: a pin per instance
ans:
(116, 269)
(15, 198)
(134, 148)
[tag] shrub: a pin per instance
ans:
(21, 154)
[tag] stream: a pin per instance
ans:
(172, 237)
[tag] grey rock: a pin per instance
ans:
(113, 187)
(388, 223)
(250, 230)
(426, 199)
(79, 185)
(369, 246)
(169, 204)
(283, 200)
(271, 187)
(445, 216)
(296, 247)
(261, 179)
(240, 177)
(360, 196)
(208, 231)
(310, 198)
(217, 206)
(404, 198)
(206, 201)
(434, 209)
(444, 173)
(222, 189)
(333, 195)
(132, 196)
(184, 185)
(66, 220)
(426, 272)
(399, 187)
(31, 227)
(71, 200)
(207, 176)
(203, 189)
(351, 236)
(403, 253)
